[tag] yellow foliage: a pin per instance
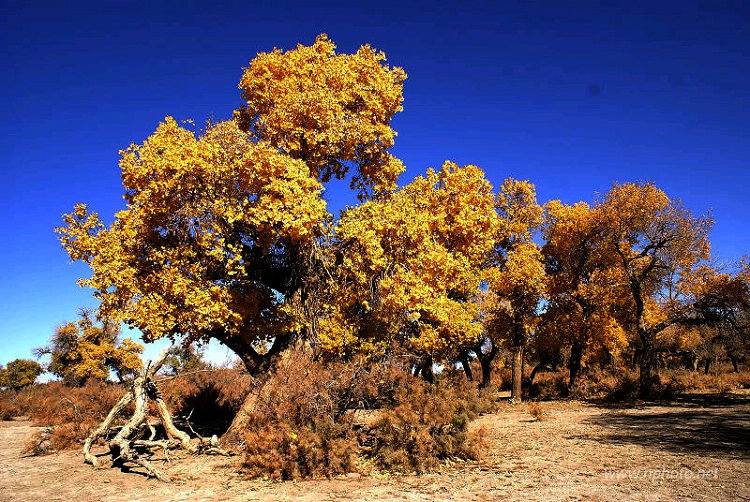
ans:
(327, 109)
(82, 350)
(221, 228)
(515, 273)
(410, 264)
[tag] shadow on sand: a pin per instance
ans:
(702, 423)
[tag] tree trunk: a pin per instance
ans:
(127, 445)
(466, 364)
(425, 369)
(264, 364)
(735, 363)
(517, 370)
(574, 365)
(648, 376)
(707, 366)
(485, 362)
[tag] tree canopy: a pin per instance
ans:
(221, 229)
(81, 350)
(19, 373)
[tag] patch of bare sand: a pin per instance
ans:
(697, 448)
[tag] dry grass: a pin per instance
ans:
(536, 410)
(694, 449)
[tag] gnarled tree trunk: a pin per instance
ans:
(128, 443)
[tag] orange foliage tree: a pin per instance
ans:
(585, 286)
(658, 243)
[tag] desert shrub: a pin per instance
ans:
(686, 381)
(70, 412)
(301, 427)
(549, 385)
(211, 398)
(426, 424)
(40, 443)
(536, 410)
(8, 409)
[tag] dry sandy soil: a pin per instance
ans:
(695, 448)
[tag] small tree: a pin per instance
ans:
(82, 350)
(185, 358)
(20, 373)
(515, 275)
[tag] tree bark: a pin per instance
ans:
(574, 364)
(485, 362)
(425, 369)
(466, 364)
(648, 375)
(123, 447)
(517, 372)
(735, 363)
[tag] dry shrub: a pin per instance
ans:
(301, 427)
(535, 410)
(686, 381)
(40, 443)
(8, 409)
(70, 412)
(549, 385)
(210, 397)
(426, 424)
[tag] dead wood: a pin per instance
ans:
(128, 444)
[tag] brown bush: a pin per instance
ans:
(535, 410)
(549, 385)
(426, 424)
(70, 412)
(678, 381)
(301, 427)
(8, 409)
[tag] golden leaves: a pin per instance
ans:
(327, 109)
(411, 262)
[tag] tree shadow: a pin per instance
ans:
(711, 424)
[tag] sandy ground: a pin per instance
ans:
(696, 448)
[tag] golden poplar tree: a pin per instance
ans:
(585, 285)
(515, 276)
(221, 233)
(410, 266)
(658, 243)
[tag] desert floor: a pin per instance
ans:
(695, 448)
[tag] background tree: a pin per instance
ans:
(658, 243)
(20, 373)
(409, 267)
(515, 276)
(585, 285)
(222, 232)
(82, 350)
(184, 358)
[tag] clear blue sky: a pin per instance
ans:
(571, 95)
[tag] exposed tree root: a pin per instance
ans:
(129, 445)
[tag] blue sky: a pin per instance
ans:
(570, 95)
